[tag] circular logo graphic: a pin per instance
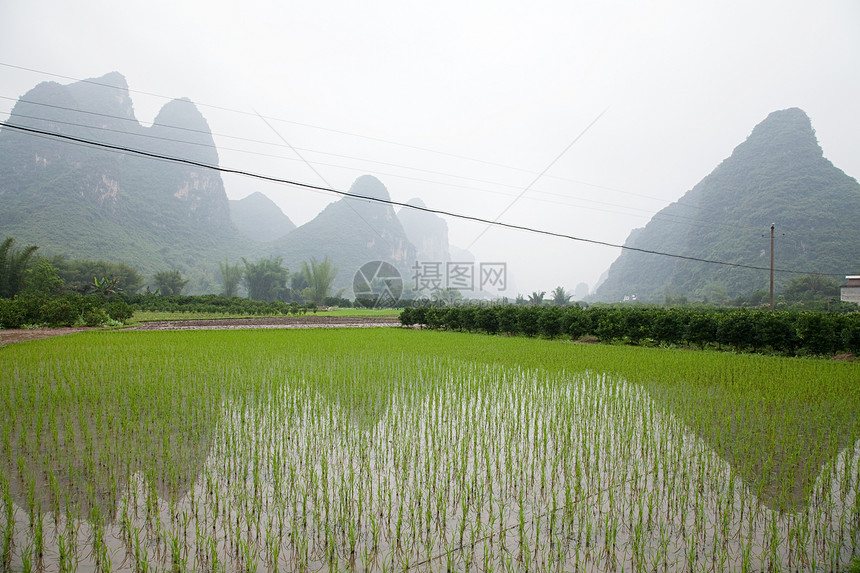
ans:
(377, 284)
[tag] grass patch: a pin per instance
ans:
(291, 449)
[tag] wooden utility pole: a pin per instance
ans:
(771, 265)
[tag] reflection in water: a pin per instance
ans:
(318, 463)
(80, 465)
(778, 448)
(76, 457)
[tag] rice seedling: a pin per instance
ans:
(420, 451)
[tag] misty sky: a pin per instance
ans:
(464, 103)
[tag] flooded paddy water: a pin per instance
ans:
(317, 459)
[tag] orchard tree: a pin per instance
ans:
(43, 279)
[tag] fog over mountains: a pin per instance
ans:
(88, 202)
(259, 218)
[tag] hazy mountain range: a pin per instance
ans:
(259, 218)
(89, 202)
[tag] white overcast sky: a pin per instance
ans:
(465, 103)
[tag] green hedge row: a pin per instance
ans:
(789, 333)
(215, 304)
(66, 310)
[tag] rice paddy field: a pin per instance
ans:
(404, 450)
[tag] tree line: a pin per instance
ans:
(23, 271)
(56, 291)
(740, 329)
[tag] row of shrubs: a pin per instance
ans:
(65, 310)
(788, 333)
(73, 309)
(216, 304)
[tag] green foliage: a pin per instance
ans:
(13, 313)
(69, 309)
(95, 316)
(742, 330)
(337, 301)
(231, 276)
(106, 286)
(319, 276)
(266, 279)
(536, 298)
(737, 443)
(701, 328)
(574, 321)
(527, 320)
(119, 310)
(13, 267)
(214, 304)
(43, 279)
(811, 287)
(560, 297)
(169, 282)
(81, 275)
(61, 311)
(818, 333)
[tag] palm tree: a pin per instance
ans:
(320, 276)
(560, 297)
(13, 265)
(536, 298)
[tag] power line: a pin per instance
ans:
(323, 179)
(232, 110)
(247, 113)
(536, 179)
(348, 133)
(652, 214)
(319, 188)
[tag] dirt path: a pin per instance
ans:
(23, 334)
(307, 321)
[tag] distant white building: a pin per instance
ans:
(851, 291)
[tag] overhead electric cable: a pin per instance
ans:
(536, 179)
(347, 133)
(319, 188)
(323, 179)
(652, 214)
